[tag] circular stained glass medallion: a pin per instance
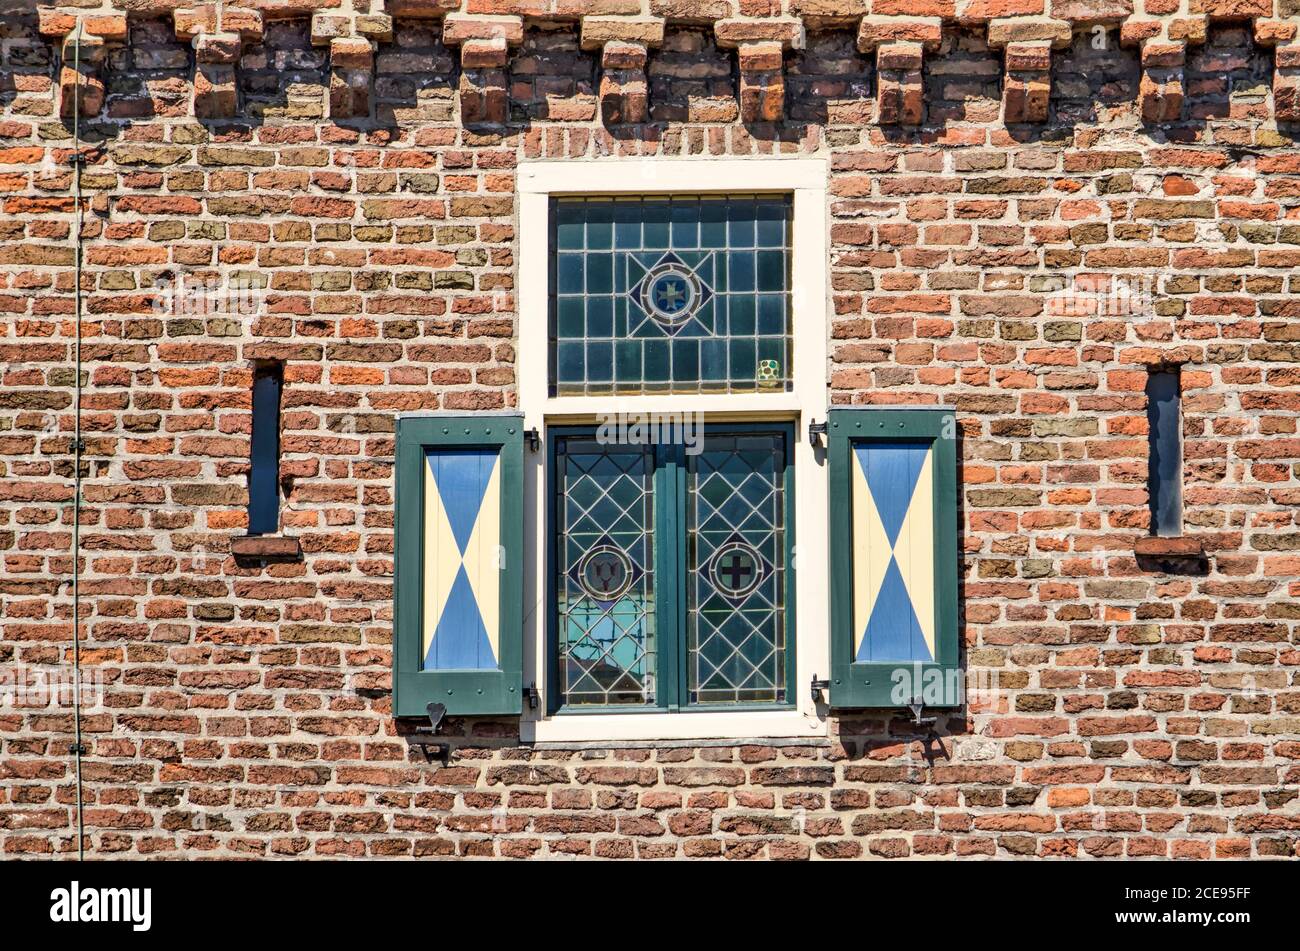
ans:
(736, 569)
(605, 573)
(670, 293)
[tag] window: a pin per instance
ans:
(264, 456)
(646, 569)
(606, 558)
(1165, 453)
(663, 573)
(682, 293)
(737, 579)
(672, 585)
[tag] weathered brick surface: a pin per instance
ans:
(1136, 712)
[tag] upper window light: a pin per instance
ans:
(675, 294)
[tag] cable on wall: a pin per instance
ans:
(78, 749)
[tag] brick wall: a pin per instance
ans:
(1137, 711)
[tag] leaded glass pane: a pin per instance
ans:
(683, 294)
(736, 569)
(605, 566)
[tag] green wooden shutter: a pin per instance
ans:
(893, 557)
(458, 629)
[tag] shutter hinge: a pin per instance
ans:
(816, 431)
(534, 439)
(818, 688)
(917, 706)
(437, 712)
(534, 698)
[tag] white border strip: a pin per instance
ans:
(661, 175)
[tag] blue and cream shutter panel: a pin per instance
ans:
(459, 564)
(893, 557)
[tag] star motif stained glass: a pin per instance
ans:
(683, 294)
(605, 588)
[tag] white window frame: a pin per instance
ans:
(806, 179)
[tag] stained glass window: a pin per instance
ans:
(680, 294)
(606, 618)
(736, 569)
(670, 569)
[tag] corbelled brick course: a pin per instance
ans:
(1001, 175)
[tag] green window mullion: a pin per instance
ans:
(551, 520)
(669, 572)
(791, 539)
(683, 599)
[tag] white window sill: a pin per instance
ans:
(749, 725)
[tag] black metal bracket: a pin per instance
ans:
(534, 698)
(816, 431)
(534, 439)
(77, 749)
(818, 687)
(78, 158)
(917, 707)
(437, 713)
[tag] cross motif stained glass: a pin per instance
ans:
(736, 569)
(683, 294)
(671, 569)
